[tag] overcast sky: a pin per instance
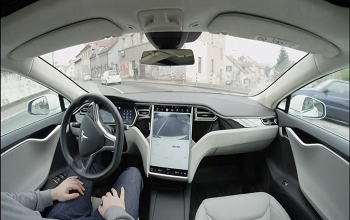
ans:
(261, 52)
(62, 57)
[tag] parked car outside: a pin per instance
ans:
(87, 77)
(334, 93)
(110, 77)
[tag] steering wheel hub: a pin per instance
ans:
(91, 138)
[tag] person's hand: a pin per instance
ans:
(112, 200)
(61, 192)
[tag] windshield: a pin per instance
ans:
(112, 73)
(223, 64)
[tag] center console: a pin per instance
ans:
(170, 145)
(170, 141)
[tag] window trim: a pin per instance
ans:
(48, 87)
(288, 103)
(296, 89)
(280, 77)
(288, 100)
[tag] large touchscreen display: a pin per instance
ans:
(170, 139)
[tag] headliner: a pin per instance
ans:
(319, 17)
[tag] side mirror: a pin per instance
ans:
(44, 105)
(39, 106)
(307, 107)
(325, 91)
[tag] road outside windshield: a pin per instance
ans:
(223, 64)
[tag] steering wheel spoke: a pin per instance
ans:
(96, 117)
(86, 163)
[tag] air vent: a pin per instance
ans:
(269, 121)
(143, 110)
(202, 114)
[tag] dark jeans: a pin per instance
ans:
(81, 207)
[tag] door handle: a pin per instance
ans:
(282, 132)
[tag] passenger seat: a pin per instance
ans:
(96, 202)
(245, 206)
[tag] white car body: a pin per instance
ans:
(111, 76)
(87, 77)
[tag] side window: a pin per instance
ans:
(24, 101)
(339, 89)
(325, 103)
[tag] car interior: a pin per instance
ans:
(239, 157)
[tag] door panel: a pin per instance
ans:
(279, 175)
(26, 166)
(38, 129)
(322, 163)
(323, 177)
(331, 140)
(27, 155)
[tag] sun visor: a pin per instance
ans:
(71, 35)
(261, 29)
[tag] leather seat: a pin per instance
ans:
(96, 202)
(245, 206)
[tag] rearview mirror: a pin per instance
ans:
(307, 107)
(176, 57)
(44, 105)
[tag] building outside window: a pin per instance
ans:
(199, 64)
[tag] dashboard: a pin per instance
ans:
(174, 134)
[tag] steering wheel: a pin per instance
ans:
(94, 136)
